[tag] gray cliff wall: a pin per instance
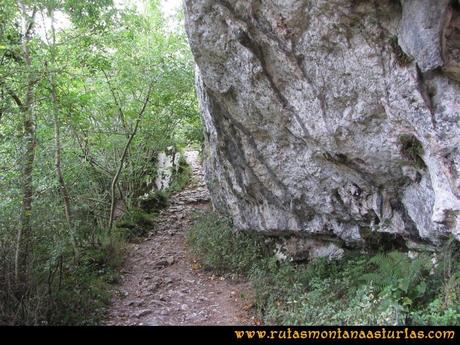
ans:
(336, 120)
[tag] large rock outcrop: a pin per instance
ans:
(337, 120)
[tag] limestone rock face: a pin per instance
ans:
(336, 120)
(167, 164)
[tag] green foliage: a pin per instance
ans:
(180, 177)
(212, 239)
(412, 150)
(444, 308)
(135, 223)
(82, 291)
(102, 63)
(153, 201)
(404, 275)
(437, 314)
(80, 300)
(382, 289)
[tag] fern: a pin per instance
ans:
(396, 270)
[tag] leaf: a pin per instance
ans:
(406, 301)
(421, 289)
(404, 284)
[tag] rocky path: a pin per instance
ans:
(162, 284)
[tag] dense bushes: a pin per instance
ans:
(74, 291)
(220, 248)
(388, 288)
(86, 107)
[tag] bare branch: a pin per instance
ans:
(31, 23)
(123, 156)
(14, 96)
(16, 99)
(116, 100)
(30, 19)
(147, 99)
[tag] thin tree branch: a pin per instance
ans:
(16, 99)
(123, 156)
(116, 100)
(31, 22)
(14, 96)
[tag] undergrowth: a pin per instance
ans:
(69, 290)
(84, 292)
(64, 290)
(222, 249)
(387, 288)
(137, 222)
(180, 177)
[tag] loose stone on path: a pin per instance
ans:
(163, 285)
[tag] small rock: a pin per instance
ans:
(135, 303)
(170, 260)
(161, 263)
(155, 286)
(142, 313)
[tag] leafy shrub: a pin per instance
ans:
(81, 292)
(220, 248)
(153, 201)
(437, 314)
(135, 223)
(387, 288)
(181, 177)
(444, 307)
(395, 273)
(81, 299)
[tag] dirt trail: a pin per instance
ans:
(162, 285)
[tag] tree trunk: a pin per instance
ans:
(58, 148)
(122, 161)
(25, 229)
(24, 235)
(117, 176)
